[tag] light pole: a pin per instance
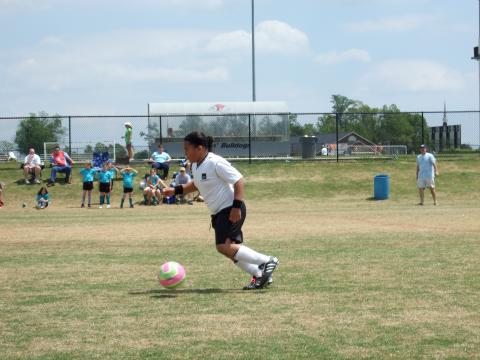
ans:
(476, 56)
(254, 96)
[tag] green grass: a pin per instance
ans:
(358, 278)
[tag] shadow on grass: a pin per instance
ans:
(165, 293)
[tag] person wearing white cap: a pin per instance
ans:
(426, 171)
(128, 140)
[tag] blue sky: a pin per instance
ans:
(113, 57)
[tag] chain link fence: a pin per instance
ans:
(247, 136)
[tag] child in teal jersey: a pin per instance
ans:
(104, 177)
(88, 175)
(42, 198)
(153, 188)
(128, 175)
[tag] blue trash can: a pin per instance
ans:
(381, 187)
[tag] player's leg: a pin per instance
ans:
(130, 198)
(26, 174)
(229, 239)
(89, 193)
(434, 194)
(108, 199)
(123, 199)
(38, 174)
(102, 199)
(84, 194)
(159, 195)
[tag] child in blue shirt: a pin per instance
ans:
(88, 175)
(104, 178)
(42, 198)
(153, 188)
(128, 175)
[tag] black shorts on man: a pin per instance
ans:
(88, 185)
(127, 190)
(225, 229)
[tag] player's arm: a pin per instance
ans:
(238, 192)
(180, 189)
(435, 167)
(418, 169)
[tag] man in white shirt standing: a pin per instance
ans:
(222, 187)
(426, 171)
(32, 165)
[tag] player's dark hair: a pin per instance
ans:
(41, 189)
(199, 139)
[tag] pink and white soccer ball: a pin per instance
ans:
(171, 275)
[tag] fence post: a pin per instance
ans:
(70, 136)
(249, 138)
(336, 132)
(160, 129)
(423, 129)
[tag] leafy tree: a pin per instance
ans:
(191, 123)
(343, 106)
(152, 134)
(37, 129)
(6, 146)
(88, 149)
(295, 128)
(141, 155)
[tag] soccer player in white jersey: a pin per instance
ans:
(426, 171)
(222, 188)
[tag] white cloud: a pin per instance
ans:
(119, 57)
(41, 5)
(414, 76)
(271, 36)
(335, 57)
(398, 23)
(239, 40)
(274, 36)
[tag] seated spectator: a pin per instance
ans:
(324, 150)
(61, 163)
(42, 198)
(153, 188)
(181, 179)
(2, 201)
(161, 161)
(32, 166)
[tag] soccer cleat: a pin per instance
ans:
(131, 206)
(89, 205)
(108, 206)
(100, 207)
(37, 181)
(82, 206)
(252, 285)
(267, 271)
(27, 181)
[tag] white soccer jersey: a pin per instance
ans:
(214, 178)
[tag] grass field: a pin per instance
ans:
(357, 279)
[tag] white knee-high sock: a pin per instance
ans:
(252, 269)
(247, 255)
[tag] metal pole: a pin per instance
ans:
(70, 135)
(161, 133)
(478, 78)
(336, 132)
(254, 96)
(423, 129)
(149, 135)
(249, 138)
